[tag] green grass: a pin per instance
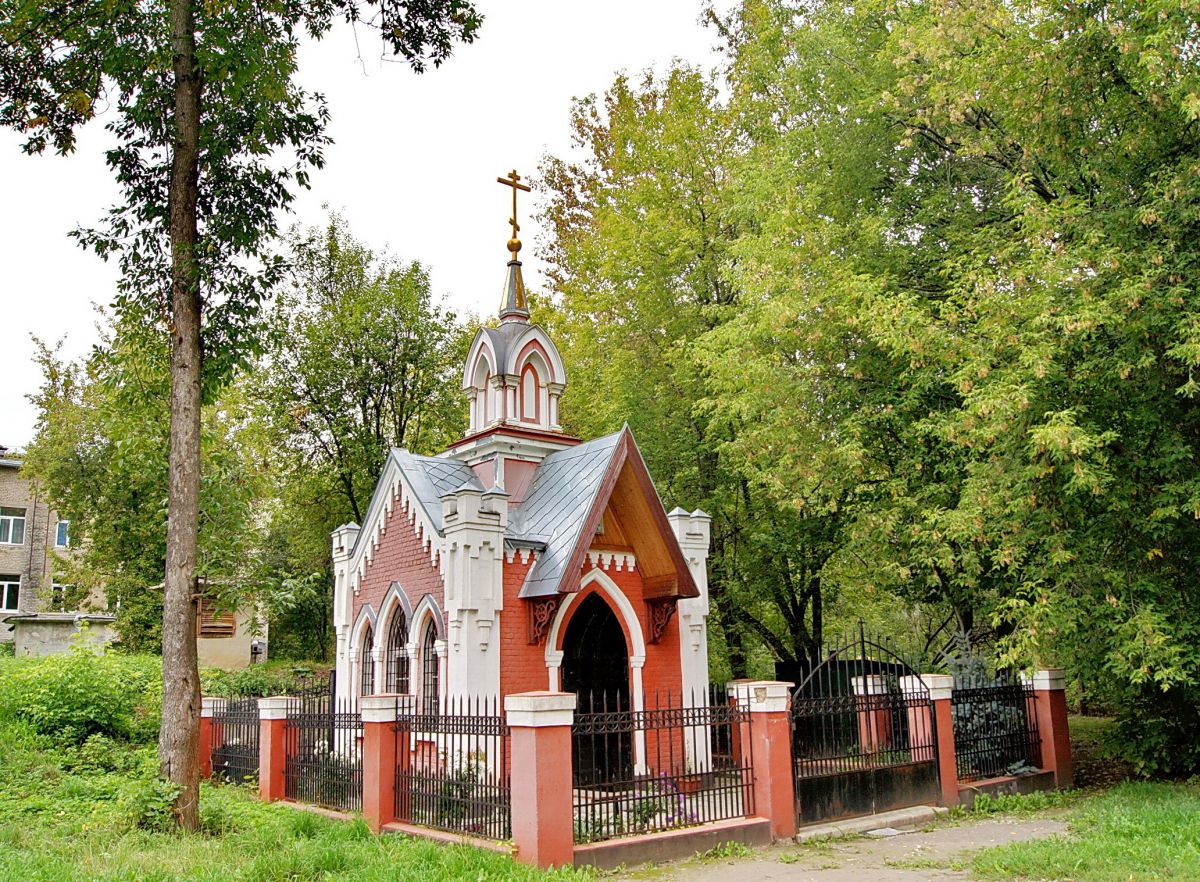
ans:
(1136, 832)
(75, 814)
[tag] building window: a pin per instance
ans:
(530, 393)
(430, 673)
(214, 623)
(10, 593)
(366, 664)
(12, 526)
(62, 535)
(58, 597)
(396, 658)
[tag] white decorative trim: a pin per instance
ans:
(210, 706)
(427, 608)
(939, 686)
(607, 560)
(618, 600)
(273, 708)
(393, 599)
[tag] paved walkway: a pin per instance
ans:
(938, 854)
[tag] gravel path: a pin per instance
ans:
(911, 856)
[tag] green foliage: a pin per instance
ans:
(1023, 803)
(259, 680)
(928, 267)
(1156, 731)
(82, 693)
(361, 358)
(643, 228)
(1141, 832)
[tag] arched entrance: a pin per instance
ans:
(595, 667)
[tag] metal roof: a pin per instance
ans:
(563, 490)
(432, 478)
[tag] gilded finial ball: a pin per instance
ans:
(514, 245)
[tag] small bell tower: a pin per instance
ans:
(514, 379)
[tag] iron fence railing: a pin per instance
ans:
(995, 727)
(453, 766)
(670, 762)
(323, 749)
(235, 741)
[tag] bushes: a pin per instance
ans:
(258, 680)
(83, 693)
(1156, 732)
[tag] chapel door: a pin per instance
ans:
(595, 667)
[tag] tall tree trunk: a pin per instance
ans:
(179, 740)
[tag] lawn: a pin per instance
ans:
(1135, 832)
(68, 815)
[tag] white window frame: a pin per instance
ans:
(11, 521)
(62, 530)
(10, 583)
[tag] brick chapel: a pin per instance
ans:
(521, 558)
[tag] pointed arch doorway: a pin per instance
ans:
(595, 667)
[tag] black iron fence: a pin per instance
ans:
(235, 741)
(995, 728)
(453, 766)
(673, 762)
(863, 737)
(323, 746)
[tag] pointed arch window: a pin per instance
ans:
(531, 395)
(430, 668)
(366, 664)
(395, 677)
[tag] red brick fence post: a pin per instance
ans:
(379, 713)
(768, 732)
(543, 828)
(1050, 708)
(272, 747)
(210, 731)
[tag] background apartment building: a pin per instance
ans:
(31, 537)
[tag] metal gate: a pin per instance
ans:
(863, 737)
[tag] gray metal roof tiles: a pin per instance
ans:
(432, 478)
(564, 488)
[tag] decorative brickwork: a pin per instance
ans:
(402, 556)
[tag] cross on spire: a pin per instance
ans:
(512, 179)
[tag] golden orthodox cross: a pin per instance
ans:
(512, 180)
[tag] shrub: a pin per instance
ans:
(257, 680)
(1156, 732)
(84, 692)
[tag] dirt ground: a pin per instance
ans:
(912, 856)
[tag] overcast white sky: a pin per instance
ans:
(412, 169)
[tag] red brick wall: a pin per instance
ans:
(523, 667)
(401, 557)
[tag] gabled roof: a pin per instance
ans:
(570, 491)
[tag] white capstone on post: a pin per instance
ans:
(474, 521)
(211, 706)
(692, 531)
